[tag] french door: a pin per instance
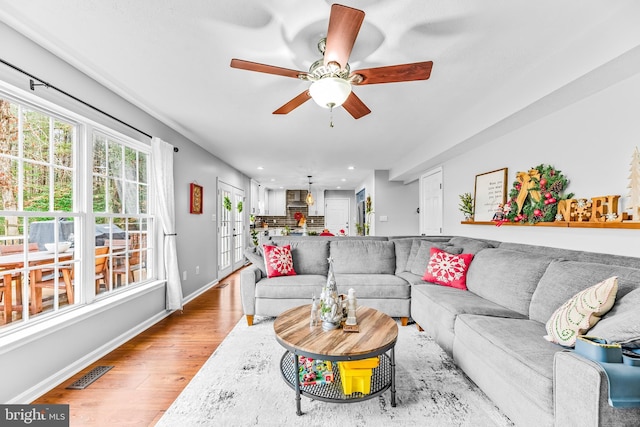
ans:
(231, 226)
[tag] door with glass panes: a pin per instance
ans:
(230, 228)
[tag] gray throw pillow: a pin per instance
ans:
(622, 323)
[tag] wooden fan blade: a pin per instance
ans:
(355, 106)
(396, 73)
(294, 103)
(344, 25)
(263, 68)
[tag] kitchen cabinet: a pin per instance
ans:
(277, 203)
(318, 207)
(254, 197)
(262, 206)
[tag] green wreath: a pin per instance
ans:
(547, 183)
(226, 203)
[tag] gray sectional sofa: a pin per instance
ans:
(494, 330)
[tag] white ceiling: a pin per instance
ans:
(497, 65)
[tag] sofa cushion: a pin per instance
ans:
(581, 312)
(290, 287)
(435, 308)
(469, 245)
(506, 277)
(412, 279)
(363, 256)
(423, 256)
(256, 259)
(415, 247)
(309, 256)
(573, 255)
(510, 348)
(373, 285)
(447, 269)
(402, 249)
(622, 323)
(564, 279)
(278, 261)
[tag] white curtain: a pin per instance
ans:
(162, 160)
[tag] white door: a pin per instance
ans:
(238, 228)
(230, 229)
(336, 215)
(431, 196)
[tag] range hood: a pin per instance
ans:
(295, 199)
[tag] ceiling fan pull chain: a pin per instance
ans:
(330, 115)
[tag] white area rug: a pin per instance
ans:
(241, 385)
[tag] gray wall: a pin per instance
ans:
(591, 141)
(39, 362)
(399, 203)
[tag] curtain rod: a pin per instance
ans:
(32, 86)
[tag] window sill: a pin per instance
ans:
(37, 329)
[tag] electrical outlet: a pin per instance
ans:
(197, 269)
(184, 275)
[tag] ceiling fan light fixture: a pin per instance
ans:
(330, 92)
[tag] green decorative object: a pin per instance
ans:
(227, 203)
(535, 194)
(466, 205)
(239, 207)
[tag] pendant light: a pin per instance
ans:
(309, 198)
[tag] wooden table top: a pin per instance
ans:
(378, 333)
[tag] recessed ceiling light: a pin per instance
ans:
(351, 168)
(273, 179)
(343, 180)
(338, 187)
(260, 168)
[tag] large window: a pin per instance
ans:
(69, 232)
(120, 204)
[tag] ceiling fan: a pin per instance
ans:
(331, 78)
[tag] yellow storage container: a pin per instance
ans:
(355, 380)
(372, 362)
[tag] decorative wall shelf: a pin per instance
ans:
(570, 224)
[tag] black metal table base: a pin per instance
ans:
(382, 379)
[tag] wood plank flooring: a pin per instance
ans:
(153, 368)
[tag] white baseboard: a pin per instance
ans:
(58, 378)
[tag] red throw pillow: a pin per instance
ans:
(278, 261)
(448, 269)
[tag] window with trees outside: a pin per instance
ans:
(69, 232)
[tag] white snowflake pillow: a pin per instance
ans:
(448, 269)
(278, 261)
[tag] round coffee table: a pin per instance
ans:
(377, 335)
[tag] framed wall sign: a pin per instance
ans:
(490, 193)
(195, 198)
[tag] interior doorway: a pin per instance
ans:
(336, 215)
(431, 196)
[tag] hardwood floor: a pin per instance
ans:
(152, 369)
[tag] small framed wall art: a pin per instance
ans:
(195, 198)
(490, 194)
